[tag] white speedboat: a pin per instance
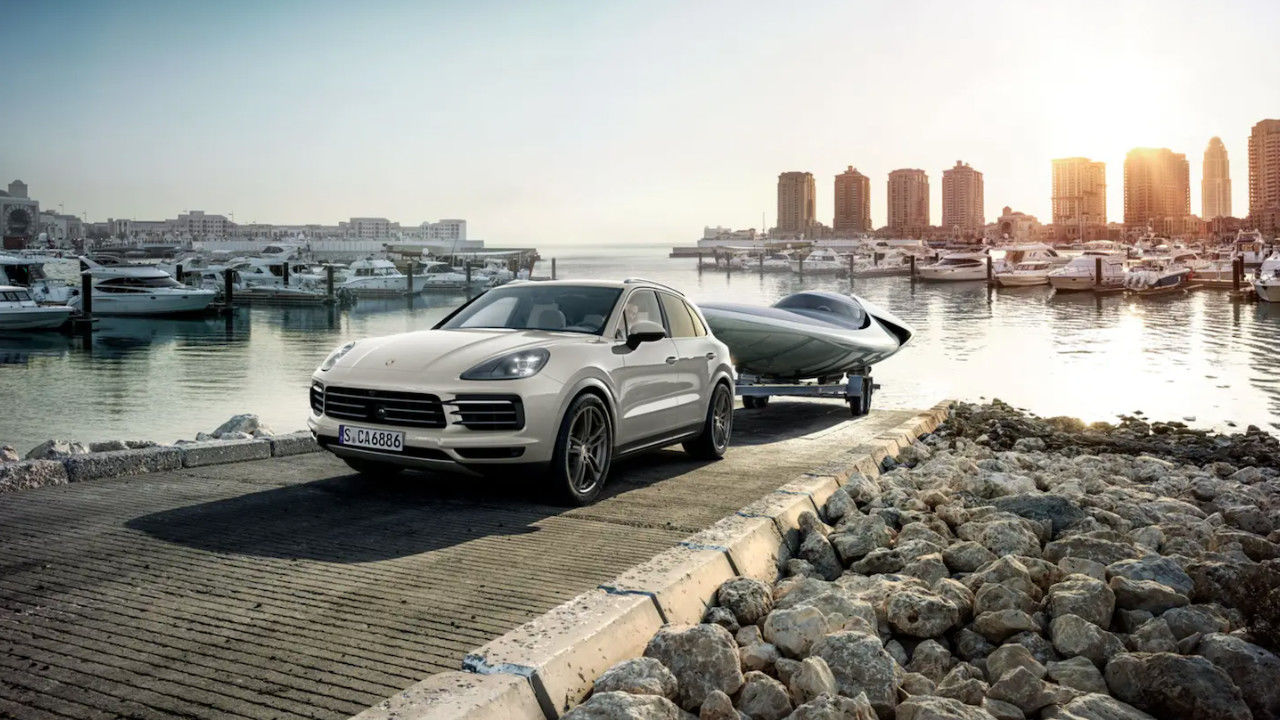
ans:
(19, 311)
(122, 289)
(1081, 273)
(1024, 274)
(809, 334)
(823, 261)
(1267, 284)
(1157, 276)
(956, 266)
(28, 272)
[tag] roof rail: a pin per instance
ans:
(651, 282)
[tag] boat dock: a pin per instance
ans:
(292, 588)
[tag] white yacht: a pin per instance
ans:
(19, 311)
(1081, 273)
(122, 289)
(1267, 284)
(1024, 274)
(775, 262)
(820, 261)
(956, 266)
(1158, 276)
(374, 277)
(1031, 252)
(28, 272)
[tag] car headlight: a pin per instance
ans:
(516, 365)
(335, 356)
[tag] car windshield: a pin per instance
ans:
(564, 308)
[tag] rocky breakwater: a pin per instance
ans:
(981, 576)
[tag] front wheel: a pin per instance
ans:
(372, 467)
(583, 451)
(717, 428)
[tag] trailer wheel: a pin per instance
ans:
(859, 406)
(754, 402)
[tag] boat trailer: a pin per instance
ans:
(855, 390)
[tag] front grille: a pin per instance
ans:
(488, 412)
(317, 398)
(384, 407)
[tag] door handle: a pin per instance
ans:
(711, 356)
(671, 360)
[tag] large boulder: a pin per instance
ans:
(997, 625)
(1078, 673)
(702, 658)
(1058, 511)
(1082, 595)
(811, 680)
(764, 698)
(638, 676)
(747, 598)
(1175, 687)
(56, 450)
(860, 664)
(1163, 570)
(921, 614)
(625, 706)
(1074, 636)
(244, 424)
(1088, 547)
(857, 535)
(835, 707)
(1096, 706)
(794, 630)
(1254, 669)
(1147, 595)
(932, 707)
(817, 551)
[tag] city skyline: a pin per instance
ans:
(572, 122)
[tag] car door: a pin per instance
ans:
(646, 380)
(691, 361)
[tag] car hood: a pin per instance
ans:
(447, 352)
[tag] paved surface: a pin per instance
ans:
(289, 587)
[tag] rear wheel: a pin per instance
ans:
(583, 451)
(859, 406)
(372, 468)
(717, 428)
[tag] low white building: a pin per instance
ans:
(725, 237)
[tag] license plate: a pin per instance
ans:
(387, 440)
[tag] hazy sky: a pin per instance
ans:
(599, 122)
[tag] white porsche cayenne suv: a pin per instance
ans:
(559, 377)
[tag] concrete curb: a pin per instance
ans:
(29, 474)
(218, 452)
(461, 696)
(96, 466)
(561, 653)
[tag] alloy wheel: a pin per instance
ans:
(588, 450)
(722, 418)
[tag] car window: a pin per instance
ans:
(641, 305)
(681, 325)
(698, 328)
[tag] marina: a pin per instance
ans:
(971, 341)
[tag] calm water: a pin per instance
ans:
(1196, 356)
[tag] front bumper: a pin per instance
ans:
(455, 447)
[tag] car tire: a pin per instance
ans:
(717, 427)
(583, 451)
(373, 468)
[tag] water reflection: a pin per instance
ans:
(1200, 355)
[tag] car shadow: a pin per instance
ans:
(351, 518)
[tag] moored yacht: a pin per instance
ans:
(956, 266)
(19, 311)
(1024, 274)
(1267, 284)
(1158, 276)
(820, 261)
(28, 272)
(122, 289)
(1082, 272)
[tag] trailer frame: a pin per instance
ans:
(856, 390)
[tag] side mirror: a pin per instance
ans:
(644, 331)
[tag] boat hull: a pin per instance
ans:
(1082, 283)
(938, 274)
(34, 318)
(187, 301)
(1267, 290)
(780, 344)
(1027, 280)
